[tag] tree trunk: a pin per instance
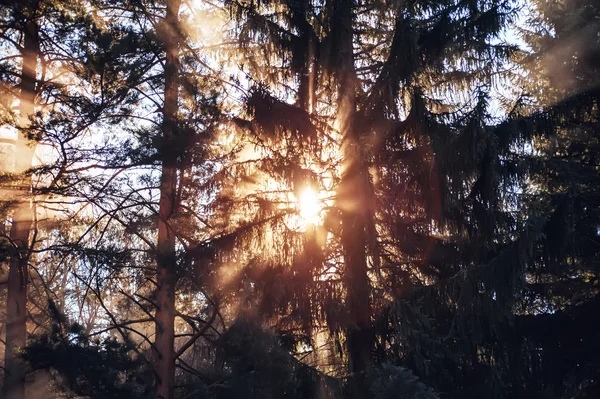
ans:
(307, 74)
(354, 202)
(16, 301)
(166, 275)
(16, 305)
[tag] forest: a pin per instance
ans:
(302, 199)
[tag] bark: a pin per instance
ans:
(16, 302)
(354, 202)
(166, 275)
(16, 326)
(308, 72)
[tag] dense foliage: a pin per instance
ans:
(304, 199)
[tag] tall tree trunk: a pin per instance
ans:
(16, 302)
(166, 275)
(308, 74)
(354, 201)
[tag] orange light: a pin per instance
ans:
(309, 207)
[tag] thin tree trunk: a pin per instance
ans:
(307, 75)
(354, 202)
(309, 79)
(16, 302)
(166, 275)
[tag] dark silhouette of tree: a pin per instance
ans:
(43, 43)
(144, 177)
(418, 205)
(321, 206)
(552, 341)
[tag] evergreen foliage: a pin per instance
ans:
(391, 381)
(86, 367)
(319, 206)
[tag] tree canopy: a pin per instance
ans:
(307, 199)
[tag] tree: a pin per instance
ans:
(409, 216)
(166, 256)
(84, 87)
(143, 181)
(364, 204)
(14, 372)
(99, 368)
(559, 106)
(33, 72)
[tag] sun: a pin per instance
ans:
(309, 207)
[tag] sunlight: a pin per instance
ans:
(309, 206)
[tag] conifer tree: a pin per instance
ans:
(144, 180)
(559, 156)
(409, 216)
(84, 87)
(166, 257)
(442, 249)
(39, 105)
(16, 302)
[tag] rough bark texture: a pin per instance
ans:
(353, 189)
(166, 274)
(16, 317)
(16, 312)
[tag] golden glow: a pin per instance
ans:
(309, 207)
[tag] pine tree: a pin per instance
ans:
(16, 301)
(100, 62)
(144, 180)
(443, 249)
(560, 106)
(165, 275)
(38, 104)
(410, 216)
